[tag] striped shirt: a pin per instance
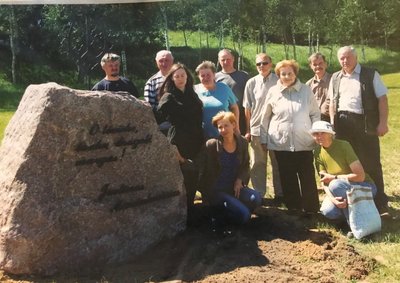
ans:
(152, 88)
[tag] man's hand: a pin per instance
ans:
(248, 137)
(382, 129)
(264, 147)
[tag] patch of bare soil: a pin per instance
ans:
(273, 247)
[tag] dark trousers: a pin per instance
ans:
(298, 180)
(190, 179)
(242, 120)
(350, 127)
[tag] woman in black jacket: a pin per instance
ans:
(180, 105)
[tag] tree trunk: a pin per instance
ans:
(185, 38)
(166, 37)
(221, 35)
(264, 39)
(386, 36)
(240, 51)
(294, 46)
(13, 43)
(309, 39)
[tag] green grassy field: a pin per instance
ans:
(384, 246)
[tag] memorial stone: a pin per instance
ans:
(86, 181)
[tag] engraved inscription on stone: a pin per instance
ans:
(119, 139)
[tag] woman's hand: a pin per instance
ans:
(181, 159)
(339, 202)
(237, 187)
(237, 130)
(326, 178)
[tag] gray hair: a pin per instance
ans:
(225, 50)
(162, 53)
(316, 55)
(263, 55)
(346, 49)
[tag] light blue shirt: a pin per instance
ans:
(219, 99)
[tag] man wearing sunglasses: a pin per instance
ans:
(110, 63)
(253, 101)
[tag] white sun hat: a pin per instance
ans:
(322, 127)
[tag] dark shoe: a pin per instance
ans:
(294, 212)
(275, 202)
(278, 200)
(384, 212)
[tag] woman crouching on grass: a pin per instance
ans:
(224, 173)
(339, 168)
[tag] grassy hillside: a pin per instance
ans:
(384, 62)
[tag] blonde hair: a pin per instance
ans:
(223, 115)
(287, 63)
(109, 57)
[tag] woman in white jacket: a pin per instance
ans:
(289, 112)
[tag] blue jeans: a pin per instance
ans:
(237, 211)
(338, 188)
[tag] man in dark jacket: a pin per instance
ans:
(110, 63)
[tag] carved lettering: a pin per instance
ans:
(121, 129)
(134, 142)
(95, 128)
(123, 189)
(98, 161)
(85, 147)
(122, 205)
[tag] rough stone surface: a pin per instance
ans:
(86, 180)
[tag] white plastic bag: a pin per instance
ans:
(364, 218)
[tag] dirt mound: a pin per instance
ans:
(273, 247)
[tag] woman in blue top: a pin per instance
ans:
(216, 97)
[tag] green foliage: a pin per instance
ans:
(10, 95)
(5, 117)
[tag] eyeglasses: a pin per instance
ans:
(262, 63)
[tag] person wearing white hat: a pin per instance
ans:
(339, 168)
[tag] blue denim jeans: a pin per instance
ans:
(338, 188)
(237, 211)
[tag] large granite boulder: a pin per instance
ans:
(86, 180)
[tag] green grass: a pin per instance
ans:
(5, 117)
(384, 247)
(384, 61)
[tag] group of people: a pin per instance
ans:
(226, 126)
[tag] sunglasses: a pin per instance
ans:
(262, 63)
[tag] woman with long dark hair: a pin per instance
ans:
(180, 105)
